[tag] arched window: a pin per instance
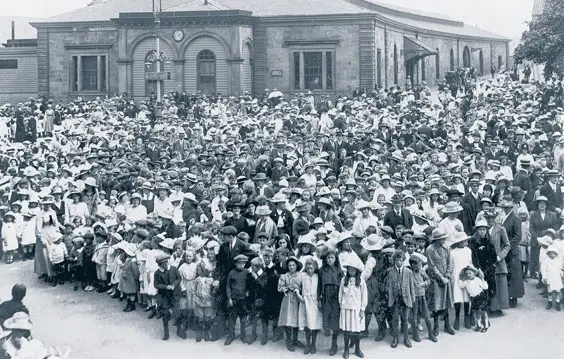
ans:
(466, 60)
(451, 60)
(481, 63)
(206, 72)
(396, 65)
(437, 65)
(154, 72)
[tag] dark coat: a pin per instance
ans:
(129, 281)
(287, 218)
(393, 220)
(512, 225)
(166, 298)
(473, 204)
(484, 257)
(537, 225)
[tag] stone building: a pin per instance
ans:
(233, 46)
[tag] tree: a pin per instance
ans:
(543, 42)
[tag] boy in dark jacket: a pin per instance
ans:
(238, 281)
(76, 262)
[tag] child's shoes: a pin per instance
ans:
(549, 306)
(557, 306)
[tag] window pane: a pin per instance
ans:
(102, 73)
(296, 70)
(89, 73)
(329, 70)
(8, 64)
(74, 73)
(313, 70)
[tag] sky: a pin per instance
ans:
(504, 17)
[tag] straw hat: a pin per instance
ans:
(481, 223)
(353, 261)
(19, 320)
(306, 239)
(278, 198)
(452, 207)
(372, 243)
(437, 235)
(459, 237)
(167, 243)
(263, 211)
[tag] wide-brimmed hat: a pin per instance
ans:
(453, 192)
(362, 204)
(279, 198)
(326, 201)
(301, 206)
(260, 177)
(421, 215)
(90, 182)
(18, 321)
(353, 261)
(506, 204)
(459, 237)
(263, 211)
(344, 235)
(470, 267)
(452, 207)
(306, 238)
(297, 261)
(437, 235)
(541, 199)
(167, 243)
(481, 223)
(373, 242)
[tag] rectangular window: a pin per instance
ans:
(313, 70)
(8, 64)
(297, 70)
(88, 73)
(329, 70)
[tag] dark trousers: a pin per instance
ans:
(239, 310)
(420, 310)
(399, 311)
(534, 260)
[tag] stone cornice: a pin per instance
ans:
(186, 18)
(88, 46)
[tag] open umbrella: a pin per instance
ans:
(276, 94)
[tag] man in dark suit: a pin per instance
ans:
(512, 225)
(522, 179)
(398, 215)
(552, 191)
(230, 248)
(282, 218)
(472, 198)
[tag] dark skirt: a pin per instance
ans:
(373, 303)
(331, 309)
(480, 302)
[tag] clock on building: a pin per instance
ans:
(178, 35)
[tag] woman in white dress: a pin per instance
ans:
(136, 211)
(47, 232)
(451, 224)
(461, 258)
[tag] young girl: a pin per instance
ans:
(353, 298)
(476, 288)
(58, 253)
(552, 275)
(28, 235)
(204, 290)
(309, 315)
(129, 278)
(188, 270)
(290, 284)
(525, 241)
(330, 276)
(344, 246)
(271, 308)
(9, 236)
(461, 258)
(306, 249)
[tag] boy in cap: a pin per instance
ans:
(236, 293)
(167, 282)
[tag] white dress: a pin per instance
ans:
(551, 270)
(309, 314)
(461, 258)
(450, 228)
(10, 237)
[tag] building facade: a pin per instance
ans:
(237, 46)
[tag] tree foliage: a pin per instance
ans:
(543, 42)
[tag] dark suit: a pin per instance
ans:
(537, 227)
(473, 204)
(554, 197)
(401, 297)
(523, 180)
(393, 220)
(512, 225)
(288, 221)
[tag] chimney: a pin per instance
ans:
(13, 30)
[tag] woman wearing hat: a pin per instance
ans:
(76, 207)
(136, 211)
(540, 220)
(451, 224)
(17, 334)
(498, 237)
(365, 220)
(461, 258)
(47, 233)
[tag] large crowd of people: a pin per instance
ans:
(304, 214)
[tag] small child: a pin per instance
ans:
(57, 255)
(552, 276)
(330, 276)
(476, 288)
(420, 307)
(129, 276)
(100, 257)
(188, 271)
(9, 236)
(309, 315)
(353, 298)
(525, 242)
(204, 290)
(236, 291)
(271, 308)
(76, 262)
(257, 300)
(28, 236)
(290, 284)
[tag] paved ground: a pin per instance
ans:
(94, 326)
